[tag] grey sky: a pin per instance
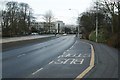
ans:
(60, 8)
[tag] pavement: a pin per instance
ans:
(106, 62)
(6, 40)
(10, 43)
(63, 57)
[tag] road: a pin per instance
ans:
(63, 57)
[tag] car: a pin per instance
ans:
(34, 33)
(64, 34)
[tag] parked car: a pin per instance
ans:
(64, 34)
(34, 33)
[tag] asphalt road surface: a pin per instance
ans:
(63, 57)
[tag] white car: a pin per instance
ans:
(34, 33)
(64, 34)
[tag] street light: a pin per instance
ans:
(78, 17)
(97, 21)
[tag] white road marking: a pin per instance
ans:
(64, 52)
(72, 46)
(82, 61)
(36, 71)
(77, 61)
(79, 55)
(21, 55)
(65, 61)
(68, 50)
(72, 61)
(86, 55)
(59, 61)
(68, 55)
(75, 42)
(51, 62)
(61, 56)
(58, 56)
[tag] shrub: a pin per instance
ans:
(102, 36)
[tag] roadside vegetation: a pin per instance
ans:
(16, 19)
(107, 14)
(102, 36)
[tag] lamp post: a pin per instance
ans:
(78, 17)
(96, 21)
(96, 27)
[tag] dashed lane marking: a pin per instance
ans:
(72, 47)
(51, 62)
(37, 71)
(68, 50)
(64, 53)
(21, 55)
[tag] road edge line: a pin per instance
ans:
(90, 66)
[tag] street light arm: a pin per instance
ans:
(78, 17)
(75, 11)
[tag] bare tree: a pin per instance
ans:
(16, 19)
(110, 7)
(49, 17)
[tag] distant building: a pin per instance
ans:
(38, 25)
(59, 25)
(53, 26)
(43, 26)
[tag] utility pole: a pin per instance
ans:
(78, 31)
(96, 28)
(118, 13)
(96, 21)
(78, 26)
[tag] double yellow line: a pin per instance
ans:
(90, 66)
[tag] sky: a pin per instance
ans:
(59, 8)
